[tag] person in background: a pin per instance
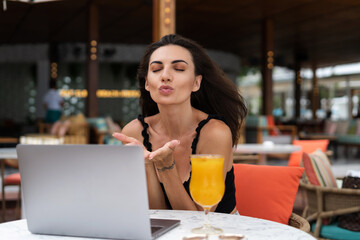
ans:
(53, 103)
(188, 107)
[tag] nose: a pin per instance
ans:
(166, 76)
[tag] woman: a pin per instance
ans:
(189, 107)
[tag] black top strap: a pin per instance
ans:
(145, 134)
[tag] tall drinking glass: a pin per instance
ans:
(207, 186)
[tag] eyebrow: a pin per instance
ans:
(175, 61)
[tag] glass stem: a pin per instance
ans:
(206, 217)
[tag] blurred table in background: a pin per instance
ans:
(264, 149)
(41, 139)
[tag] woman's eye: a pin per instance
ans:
(156, 70)
(178, 69)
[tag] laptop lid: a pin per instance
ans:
(85, 190)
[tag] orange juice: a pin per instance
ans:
(207, 183)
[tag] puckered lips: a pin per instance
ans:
(166, 89)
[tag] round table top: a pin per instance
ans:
(252, 228)
(266, 148)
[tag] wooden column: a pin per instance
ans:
(314, 94)
(163, 18)
(267, 66)
(297, 89)
(92, 61)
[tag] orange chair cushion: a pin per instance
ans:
(307, 146)
(266, 192)
(12, 179)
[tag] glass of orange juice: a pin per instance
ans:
(207, 186)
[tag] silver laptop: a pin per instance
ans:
(87, 190)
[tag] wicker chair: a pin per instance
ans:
(299, 222)
(325, 202)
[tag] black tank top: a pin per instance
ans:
(228, 202)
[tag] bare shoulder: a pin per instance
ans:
(133, 129)
(215, 137)
(216, 129)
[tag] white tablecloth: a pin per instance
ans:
(252, 228)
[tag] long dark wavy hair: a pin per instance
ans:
(217, 94)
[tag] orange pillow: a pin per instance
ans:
(307, 146)
(295, 159)
(266, 192)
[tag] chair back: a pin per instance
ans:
(307, 146)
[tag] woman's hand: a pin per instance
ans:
(132, 141)
(162, 157)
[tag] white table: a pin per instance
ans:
(264, 149)
(6, 153)
(252, 228)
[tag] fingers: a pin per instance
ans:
(130, 142)
(165, 150)
(162, 154)
(125, 139)
(172, 144)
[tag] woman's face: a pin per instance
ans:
(171, 75)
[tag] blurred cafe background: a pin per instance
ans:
(297, 64)
(296, 60)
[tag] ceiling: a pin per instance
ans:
(316, 32)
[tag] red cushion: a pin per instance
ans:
(12, 179)
(266, 192)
